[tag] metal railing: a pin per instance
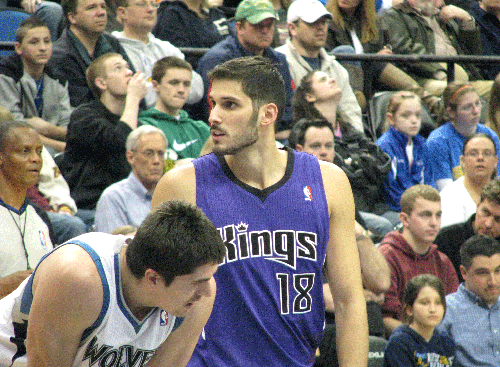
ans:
(449, 60)
(396, 58)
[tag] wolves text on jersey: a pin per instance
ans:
(123, 356)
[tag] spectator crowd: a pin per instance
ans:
(100, 98)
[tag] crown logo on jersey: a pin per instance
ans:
(307, 193)
(163, 318)
(241, 227)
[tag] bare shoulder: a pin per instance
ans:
(69, 278)
(177, 184)
(336, 184)
(330, 170)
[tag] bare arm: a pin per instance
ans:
(67, 298)
(375, 271)
(169, 189)
(328, 298)
(342, 261)
(179, 346)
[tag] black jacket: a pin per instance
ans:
(95, 153)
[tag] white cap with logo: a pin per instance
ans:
(307, 10)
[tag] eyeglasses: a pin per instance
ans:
(145, 4)
(151, 153)
(475, 153)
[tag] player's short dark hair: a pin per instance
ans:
(478, 245)
(260, 80)
(299, 129)
(28, 24)
(170, 62)
(410, 196)
(491, 192)
(173, 240)
(7, 126)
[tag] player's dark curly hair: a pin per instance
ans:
(259, 78)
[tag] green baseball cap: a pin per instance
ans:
(255, 11)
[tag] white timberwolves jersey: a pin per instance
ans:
(117, 338)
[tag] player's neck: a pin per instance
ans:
(131, 290)
(261, 165)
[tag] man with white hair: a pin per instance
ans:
(128, 202)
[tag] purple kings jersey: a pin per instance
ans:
(269, 308)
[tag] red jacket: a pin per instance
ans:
(405, 264)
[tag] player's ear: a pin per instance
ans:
(299, 148)
(269, 114)
(152, 278)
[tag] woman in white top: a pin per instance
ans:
(460, 198)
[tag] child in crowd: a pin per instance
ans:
(408, 150)
(416, 342)
(29, 89)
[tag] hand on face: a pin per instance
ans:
(137, 86)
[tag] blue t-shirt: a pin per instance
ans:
(445, 148)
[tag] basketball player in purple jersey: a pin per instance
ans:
(281, 214)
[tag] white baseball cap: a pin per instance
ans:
(307, 10)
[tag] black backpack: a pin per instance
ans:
(366, 167)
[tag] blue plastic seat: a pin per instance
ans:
(10, 19)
